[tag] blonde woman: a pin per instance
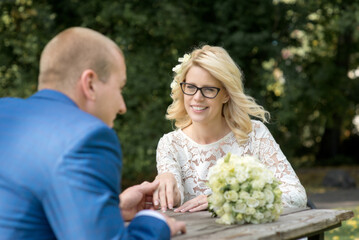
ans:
(213, 116)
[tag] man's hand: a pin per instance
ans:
(175, 226)
(167, 193)
(137, 198)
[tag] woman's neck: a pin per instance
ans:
(207, 133)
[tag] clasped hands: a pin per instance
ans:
(167, 195)
(139, 197)
(162, 193)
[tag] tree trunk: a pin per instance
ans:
(330, 144)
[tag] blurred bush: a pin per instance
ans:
(299, 59)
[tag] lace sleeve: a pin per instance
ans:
(270, 154)
(166, 162)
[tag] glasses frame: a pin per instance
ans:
(198, 88)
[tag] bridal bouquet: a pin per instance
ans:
(243, 191)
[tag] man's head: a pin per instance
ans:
(89, 68)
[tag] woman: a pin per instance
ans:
(213, 117)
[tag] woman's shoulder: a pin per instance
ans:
(171, 136)
(256, 124)
(259, 128)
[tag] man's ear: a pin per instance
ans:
(87, 82)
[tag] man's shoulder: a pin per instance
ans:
(49, 117)
(57, 108)
(6, 102)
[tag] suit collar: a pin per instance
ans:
(54, 95)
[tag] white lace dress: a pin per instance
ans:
(190, 161)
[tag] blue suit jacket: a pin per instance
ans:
(60, 173)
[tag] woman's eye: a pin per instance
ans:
(210, 90)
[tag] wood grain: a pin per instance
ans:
(293, 223)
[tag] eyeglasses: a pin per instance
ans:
(207, 92)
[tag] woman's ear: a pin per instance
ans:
(226, 97)
(87, 82)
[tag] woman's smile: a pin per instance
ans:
(197, 108)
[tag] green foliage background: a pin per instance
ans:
(295, 55)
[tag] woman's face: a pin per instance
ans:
(199, 108)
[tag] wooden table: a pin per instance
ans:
(292, 224)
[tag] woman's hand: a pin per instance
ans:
(167, 193)
(196, 204)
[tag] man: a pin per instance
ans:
(60, 161)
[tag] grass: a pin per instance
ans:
(348, 230)
(312, 178)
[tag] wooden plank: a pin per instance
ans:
(287, 211)
(313, 221)
(291, 224)
(206, 214)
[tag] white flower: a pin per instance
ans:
(245, 186)
(243, 190)
(217, 199)
(258, 215)
(231, 196)
(262, 203)
(185, 58)
(258, 184)
(250, 211)
(258, 195)
(235, 186)
(221, 211)
(242, 176)
(269, 196)
(267, 214)
(244, 195)
(252, 202)
(227, 207)
(177, 68)
(227, 218)
(239, 207)
(173, 84)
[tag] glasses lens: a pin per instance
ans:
(189, 88)
(209, 92)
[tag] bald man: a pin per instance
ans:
(60, 161)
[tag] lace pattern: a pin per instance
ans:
(189, 162)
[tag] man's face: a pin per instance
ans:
(110, 101)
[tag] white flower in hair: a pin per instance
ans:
(177, 69)
(185, 58)
(173, 84)
(182, 60)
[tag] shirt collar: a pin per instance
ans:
(54, 95)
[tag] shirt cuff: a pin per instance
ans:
(151, 213)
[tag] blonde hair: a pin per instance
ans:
(240, 107)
